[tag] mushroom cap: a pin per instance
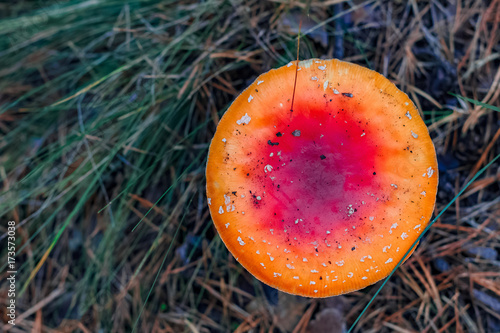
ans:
(328, 198)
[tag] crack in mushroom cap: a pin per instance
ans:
(331, 210)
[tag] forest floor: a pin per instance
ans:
(107, 109)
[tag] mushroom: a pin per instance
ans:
(327, 197)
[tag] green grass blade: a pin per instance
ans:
(480, 172)
(473, 101)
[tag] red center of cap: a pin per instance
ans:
(316, 170)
